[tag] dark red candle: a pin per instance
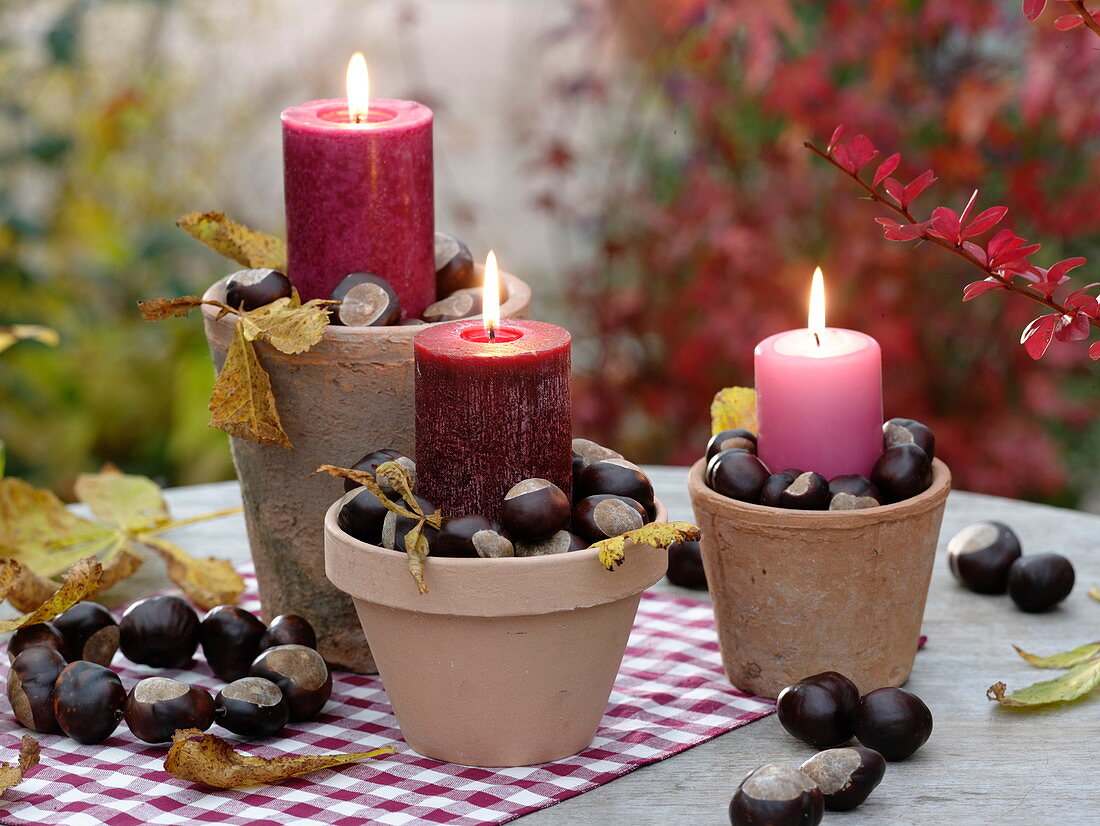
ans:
(490, 413)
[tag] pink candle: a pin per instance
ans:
(359, 197)
(819, 397)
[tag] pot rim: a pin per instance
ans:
(713, 502)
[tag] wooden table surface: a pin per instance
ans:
(983, 764)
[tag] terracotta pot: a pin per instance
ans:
(351, 393)
(504, 662)
(800, 592)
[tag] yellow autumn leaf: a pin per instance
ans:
(12, 774)
(243, 404)
(288, 326)
(207, 582)
(126, 501)
(1094, 592)
(247, 247)
(12, 333)
(1076, 682)
(655, 535)
(158, 309)
(1067, 659)
(83, 580)
(733, 408)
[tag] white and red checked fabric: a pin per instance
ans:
(670, 695)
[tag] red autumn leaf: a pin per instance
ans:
(945, 224)
(1059, 270)
(915, 187)
(976, 251)
(985, 221)
(976, 288)
(838, 133)
(886, 167)
(1094, 351)
(895, 231)
(1087, 304)
(894, 189)
(1072, 327)
(1067, 22)
(855, 154)
(1033, 8)
(1006, 249)
(1038, 334)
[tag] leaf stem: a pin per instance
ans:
(1086, 16)
(191, 520)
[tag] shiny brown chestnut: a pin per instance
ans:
(90, 632)
(289, 629)
(902, 472)
(808, 491)
(230, 638)
(454, 265)
(1038, 583)
(981, 554)
(252, 707)
(251, 289)
(909, 432)
(774, 485)
(362, 516)
(617, 477)
(845, 776)
(533, 510)
(301, 675)
(30, 687)
(589, 452)
(562, 542)
(88, 700)
(737, 474)
(894, 722)
(729, 439)
(819, 710)
(161, 631)
(465, 303)
(604, 515)
(685, 565)
(158, 706)
(40, 634)
(461, 536)
(395, 528)
(370, 463)
(777, 795)
(854, 484)
(366, 300)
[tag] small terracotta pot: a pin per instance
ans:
(800, 592)
(351, 393)
(504, 662)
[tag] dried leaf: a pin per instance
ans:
(399, 478)
(133, 503)
(733, 408)
(1067, 659)
(361, 477)
(1075, 683)
(83, 580)
(12, 775)
(243, 404)
(158, 309)
(416, 547)
(245, 246)
(1094, 592)
(10, 334)
(656, 535)
(207, 759)
(207, 582)
(287, 325)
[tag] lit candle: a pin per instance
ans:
(492, 408)
(819, 396)
(359, 192)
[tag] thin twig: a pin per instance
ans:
(1086, 16)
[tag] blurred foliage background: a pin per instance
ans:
(639, 161)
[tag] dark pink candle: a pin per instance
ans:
(491, 413)
(359, 197)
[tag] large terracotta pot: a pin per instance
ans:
(504, 662)
(350, 394)
(800, 592)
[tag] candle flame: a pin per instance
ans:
(490, 295)
(816, 320)
(358, 80)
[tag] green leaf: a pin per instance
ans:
(247, 247)
(1067, 659)
(1075, 683)
(733, 408)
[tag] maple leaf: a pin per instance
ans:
(612, 552)
(733, 408)
(247, 247)
(242, 402)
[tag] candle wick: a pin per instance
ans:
(360, 117)
(817, 338)
(492, 334)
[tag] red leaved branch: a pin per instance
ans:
(1080, 16)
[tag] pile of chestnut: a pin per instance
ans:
(368, 300)
(903, 471)
(826, 711)
(610, 497)
(61, 680)
(987, 558)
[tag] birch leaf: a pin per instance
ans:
(733, 408)
(243, 404)
(10, 334)
(12, 774)
(1075, 683)
(207, 582)
(1067, 659)
(210, 760)
(158, 309)
(247, 247)
(82, 581)
(655, 535)
(287, 325)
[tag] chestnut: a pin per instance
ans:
(230, 638)
(808, 491)
(251, 289)
(603, 515)
(777, 795)
(981, 554)
(588, 452)
(819, 710)
(461, 537)
(774, 485)
(534, 509)
(395, 528)
(850, 502)
(366, 300)
(370, 463)
(454, 265)
(685, 564)
(617, 477)
(252, 707)
(845, 776)
(562, 542)
(894, 722)
(362, 516)
(90, 632)
(729, 439)
(158, 706)
(288, 629)
(738, 474)
(300, 673)
(40, 634)
(30, 687)
(901, 472)
(855, 485)
(88, 700)
(162, 632)
(1038, 583)
(909, 432)
(464, 303)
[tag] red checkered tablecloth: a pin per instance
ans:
(670, 695)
